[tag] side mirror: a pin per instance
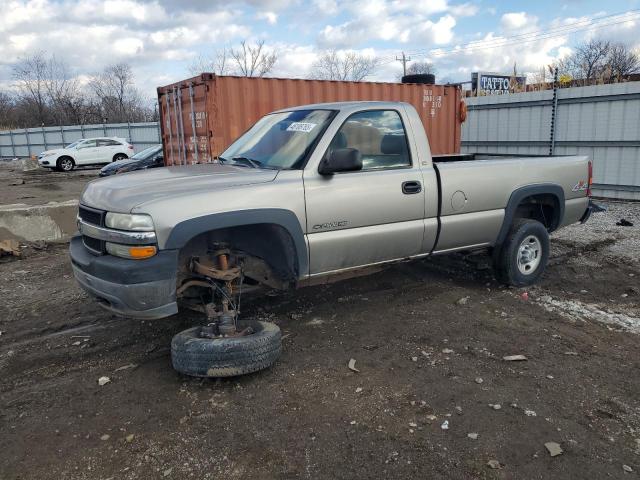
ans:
(341, 160)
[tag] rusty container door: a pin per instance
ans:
(184, 122)
(198, 126)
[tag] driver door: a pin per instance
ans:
(372, 215)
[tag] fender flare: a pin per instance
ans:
(188, 229)
(527, 191)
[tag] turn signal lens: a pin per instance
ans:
(129, 251)
(142, 252)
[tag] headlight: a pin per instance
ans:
(130, 251)
(133, 222)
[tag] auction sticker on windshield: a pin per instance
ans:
(301, 127)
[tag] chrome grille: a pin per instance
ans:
(91, 215)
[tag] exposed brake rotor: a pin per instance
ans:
(222, 311)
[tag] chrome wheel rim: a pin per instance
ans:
(529, 255)
(65, 164)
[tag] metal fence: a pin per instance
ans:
(31, 141)
(601, 121)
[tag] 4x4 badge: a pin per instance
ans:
(580, 186)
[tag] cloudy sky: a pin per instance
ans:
(161, 38)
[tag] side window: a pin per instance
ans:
(380, 137)
(106, 142)
(89, 144)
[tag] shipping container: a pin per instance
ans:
(201, 116)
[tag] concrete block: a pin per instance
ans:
(54, 221)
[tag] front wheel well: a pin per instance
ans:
(268, 252)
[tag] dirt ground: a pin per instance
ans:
(41, 186)
(428, 338)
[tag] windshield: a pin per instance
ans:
(147, 152)
(279, 140)
(74, 144)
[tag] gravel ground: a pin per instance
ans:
(37, 187)
(621, 242)
(425, 358)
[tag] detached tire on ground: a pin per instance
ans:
(523, 256)
(226, 357)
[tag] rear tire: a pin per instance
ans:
(65, 164)
(522, 258)
(119, 156)
(226, 357)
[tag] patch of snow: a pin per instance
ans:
(577, 310)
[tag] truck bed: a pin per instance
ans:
(474, 194)
(465, 157)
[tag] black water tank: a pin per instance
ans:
(428, 78)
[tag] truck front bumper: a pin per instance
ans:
(144, 289)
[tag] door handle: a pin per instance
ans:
(409, 188)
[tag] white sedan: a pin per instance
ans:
(90, 151)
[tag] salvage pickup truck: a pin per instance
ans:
(306, 194)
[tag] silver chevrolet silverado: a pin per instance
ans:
(308, 194)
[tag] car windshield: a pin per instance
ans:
(279, 140)
(147, 152)
(74, 144)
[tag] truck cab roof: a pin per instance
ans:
(351, 105)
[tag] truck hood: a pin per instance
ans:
(122, 193)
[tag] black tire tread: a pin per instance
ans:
(505, 269)
(202, 357)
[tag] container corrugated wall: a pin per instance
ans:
(219, 109)
(601, 121)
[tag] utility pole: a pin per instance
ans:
(404, 59)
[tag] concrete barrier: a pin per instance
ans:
(54, 221)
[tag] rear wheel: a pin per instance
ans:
(65, 164)
(195, 354)
(522, 258)
(119, 156)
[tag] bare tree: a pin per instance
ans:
(346, 66)
(116, 94)
(30, 76)
(252, 60)
(588, 62)
(7, 111)
(219, 64)
(67, 101)
(622, 61)
(421, 67)
(418, 68)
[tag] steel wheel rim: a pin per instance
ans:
(65, 164)
(529, 255)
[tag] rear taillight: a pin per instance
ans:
(130, 147)
(590, 179)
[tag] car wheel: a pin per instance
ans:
(65, 164)
(119, 156)
(192, 354)
(522, 258)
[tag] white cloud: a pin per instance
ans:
(516, 20)
(270, 17)
(395, 20)
(327, 7)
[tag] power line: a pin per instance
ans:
(531, 36)
(594, 23)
